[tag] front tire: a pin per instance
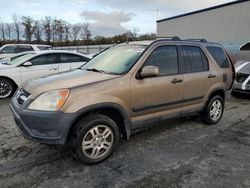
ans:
(94, 138)
(7, 88)
(214, 110)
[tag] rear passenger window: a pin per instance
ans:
(219, 56)
(194, 60)
(25, 48)
(166, 58)
(70, 58)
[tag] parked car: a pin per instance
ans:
(31, 66)
(123, 88)
(242, 79)
(10, 49)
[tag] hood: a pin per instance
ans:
(244, 68)
(69, 79)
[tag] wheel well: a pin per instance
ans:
(110, 112)
(218, 92)
(14, 83)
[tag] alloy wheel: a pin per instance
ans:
(98, 141)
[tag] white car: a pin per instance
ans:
(32, 66)
(242, 78)
(10, 49)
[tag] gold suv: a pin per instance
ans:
(122, 88)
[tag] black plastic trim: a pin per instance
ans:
(149, 107)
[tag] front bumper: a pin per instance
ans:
(43, 127)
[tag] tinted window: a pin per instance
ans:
(166, 58)
(9, 49)
(25, 48)
(194, 59)
(44, 59)
(69, 58)
(219, 56)
(44, 47)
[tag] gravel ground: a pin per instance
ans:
(179, 153)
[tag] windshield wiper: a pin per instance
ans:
(95, 70)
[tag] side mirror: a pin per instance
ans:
(149, 71)
(27, 64)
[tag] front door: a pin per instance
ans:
(158, 96)
(43, 65)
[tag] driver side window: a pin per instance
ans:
(165, 58)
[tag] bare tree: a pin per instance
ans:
(67, 32)
(75, 32)
(37, 31)
(8, 30)
(135, 32)
(28, 27)
(16, 22)
(2, 31)
(47, 28)
(86, 34)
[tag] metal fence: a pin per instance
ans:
(90, 49)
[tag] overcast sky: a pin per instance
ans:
(107, 17)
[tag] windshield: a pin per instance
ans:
(116, 60)
(21, 59)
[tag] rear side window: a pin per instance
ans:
(25, 48)
(166, 58)
(194, 60)
(9, 49)
(70, 58)
(44, 48)
(219, 56)
(45, 59)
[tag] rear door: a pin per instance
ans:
(70, 61)
(224, 62)
(198, 77)
(24, 48)
(42, 65)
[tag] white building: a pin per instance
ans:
(228, 24)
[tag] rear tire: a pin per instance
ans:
(213, 112)
(94, 139)
(7, 88)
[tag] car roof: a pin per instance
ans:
(44, 45)
(59, 51)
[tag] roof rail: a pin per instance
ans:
(171, 38)
(200, 40)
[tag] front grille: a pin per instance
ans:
(241, 77)
(22, 96)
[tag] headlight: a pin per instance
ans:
(50, 101)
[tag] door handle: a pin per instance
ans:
(211, 76)
(175, 81)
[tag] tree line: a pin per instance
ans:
(57, 32)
